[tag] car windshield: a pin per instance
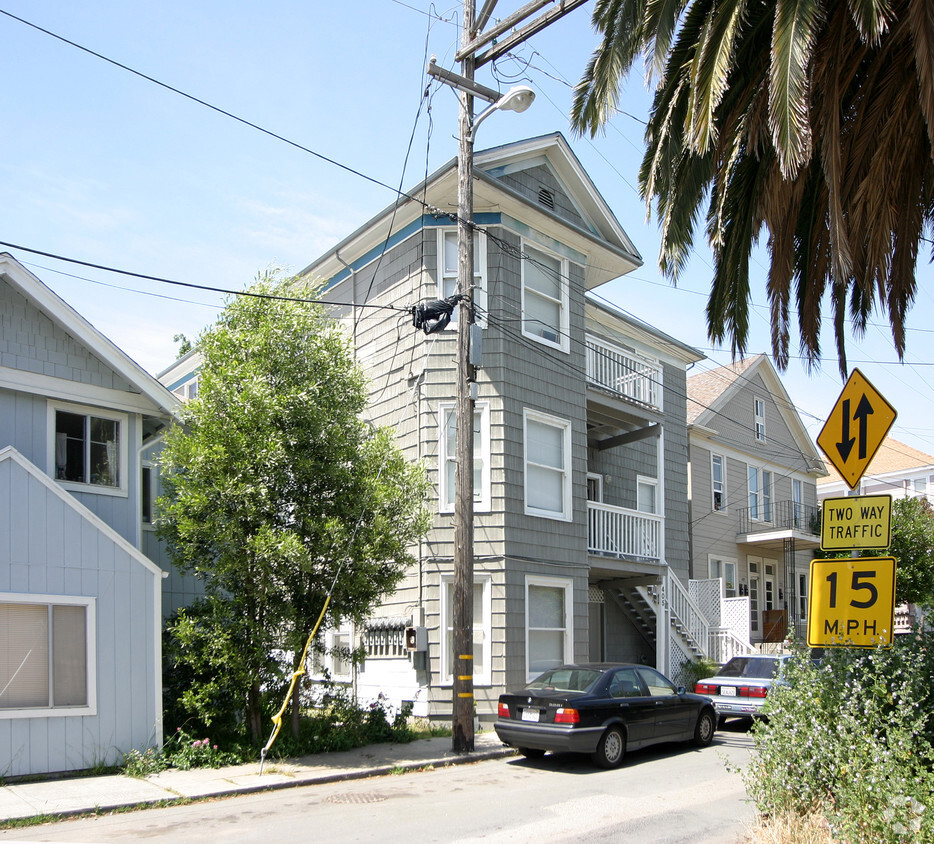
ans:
(565, 680)
(757, 669)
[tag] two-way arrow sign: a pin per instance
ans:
(864, 427)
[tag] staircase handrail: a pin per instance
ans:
(685, 610)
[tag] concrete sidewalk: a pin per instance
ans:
(79, 795)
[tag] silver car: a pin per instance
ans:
(740, 688)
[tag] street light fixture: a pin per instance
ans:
(516, 99)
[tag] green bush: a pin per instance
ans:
(851, 739)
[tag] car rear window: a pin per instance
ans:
(758, 669)
(565, 680)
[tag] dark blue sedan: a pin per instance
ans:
(604, 710)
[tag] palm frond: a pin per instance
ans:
(920, 14)
(871, 18)
(661, 20)
(795, 30)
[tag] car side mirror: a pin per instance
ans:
(680, 690)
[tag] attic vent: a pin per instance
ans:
(546, 198)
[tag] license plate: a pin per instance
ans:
(530, 715)
(728, 691)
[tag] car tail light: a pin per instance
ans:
(567, 716)
(705, 689)
(753, 691)
(503, 710)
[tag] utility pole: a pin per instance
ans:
(463, 700)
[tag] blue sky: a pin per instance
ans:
(100, 165)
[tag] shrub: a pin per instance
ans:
(851, 739)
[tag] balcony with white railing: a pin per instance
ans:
(626, 374)
(622, 533)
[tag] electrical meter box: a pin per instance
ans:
(416, 638)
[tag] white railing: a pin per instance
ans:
(725, 644)
(620, 532)
(626, 373)
(685, 611)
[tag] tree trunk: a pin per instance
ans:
(255, 714)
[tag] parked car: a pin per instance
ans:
(740, 688)
(602, 709)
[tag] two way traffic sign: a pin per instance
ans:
(856, 427)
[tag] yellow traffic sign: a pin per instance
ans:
(851, 602)
(856, 522)
(856, 427)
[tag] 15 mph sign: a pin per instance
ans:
(852, 602)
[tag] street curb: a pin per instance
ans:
(173, 797)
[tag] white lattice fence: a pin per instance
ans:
(735, 617)
(707, 594)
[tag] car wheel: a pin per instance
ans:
(611, 749)
(531, 752)
(706, 725)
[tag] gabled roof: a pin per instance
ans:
(601, 236)
(892, 458)
(151, 397)
(709, 392)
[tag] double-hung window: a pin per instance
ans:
(547, 466)
(88, 447)
(46, 656)
(718, 481)
(447, 271)
(547, 623)
(760, 494)
(544, 297)
(482, 630)
(759, 413)
(447, 456)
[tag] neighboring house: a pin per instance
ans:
(898, 470)
(754, 519)
(580, 475)
(80, 604)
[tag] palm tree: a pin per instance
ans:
(811, 118)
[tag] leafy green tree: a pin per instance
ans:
(277, 491)
(810, 119)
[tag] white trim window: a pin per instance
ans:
(482, 630)
(87, 448)
(47, 656)
(547, 444)
(718, 482)
(340, 643)
(548, 615)
(545, 297)
(447, 456)
(802, 596)
(758, 407)
(724, 570)
(646, 494)
(797, 501)
(760, 494)
(447, 272)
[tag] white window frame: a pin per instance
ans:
(595, 482)
(718, 568)
(797, 502)
(482, 628)
(647, 481)
(562, 341)
(566, 512)
(90, 650)
(722, 483)
(481, 453)
(802, 596)
(122, 420)
(345, 631)
(758, 409)
(447, 276)
(568, 638)
(760, 495)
